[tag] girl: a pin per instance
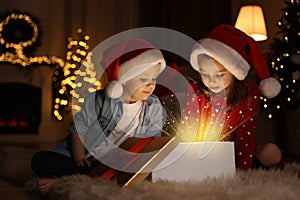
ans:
(125, 108)
(223, 105)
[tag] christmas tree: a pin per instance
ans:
(284, 60)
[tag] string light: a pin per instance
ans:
(67, 79)
(18, 56)
(285, 63)
(66, 70)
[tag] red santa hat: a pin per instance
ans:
(233, 48)
(126, 60)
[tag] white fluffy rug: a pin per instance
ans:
(253, 184)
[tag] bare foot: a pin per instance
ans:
(45, 184)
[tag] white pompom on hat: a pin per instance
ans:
(232, 48)
(126, 60)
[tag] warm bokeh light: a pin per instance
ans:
(69, 77)
(18, 56)
(66, 70)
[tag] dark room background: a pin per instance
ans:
(101, 19)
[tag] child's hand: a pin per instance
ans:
(82, 162)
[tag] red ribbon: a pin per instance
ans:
(137, 147)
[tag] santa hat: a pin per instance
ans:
(126, 60)
(232, 48)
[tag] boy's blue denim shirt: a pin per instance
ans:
(100, 115)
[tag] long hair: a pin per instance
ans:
(237, 91)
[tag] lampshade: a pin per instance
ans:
(251, 21)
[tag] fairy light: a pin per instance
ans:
(270, 116)
(66, 70)
(67, 77)
(285, 63)
(18, 56)
(278, 107)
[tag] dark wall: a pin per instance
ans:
(194, 18)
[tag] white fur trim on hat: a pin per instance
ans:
(222, 53)
(269, 87)
(132, 68)
(152, 56)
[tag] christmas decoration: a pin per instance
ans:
(284, 60)
(19, 37)
(78, 70)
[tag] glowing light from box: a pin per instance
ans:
(204, 124)
(205, 130)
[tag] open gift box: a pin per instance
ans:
(196, 161)
(134, 160)
(167, 158)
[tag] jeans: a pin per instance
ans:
(53, 165)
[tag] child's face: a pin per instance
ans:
(214, 75)
(142, 86)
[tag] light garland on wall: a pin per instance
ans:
(15, 53)
(12, 50)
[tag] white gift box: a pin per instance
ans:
(190, 161)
